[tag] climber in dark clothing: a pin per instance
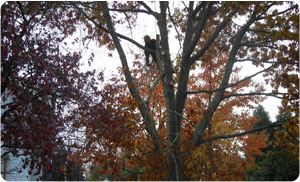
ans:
(151, 44)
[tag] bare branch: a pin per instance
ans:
(277, 124)
(198, 8)
(217, 31)
(260, 61)
(133, 10)
(150, 11)
(255, 93)
(259, 44)
(129, 25)
(184, 4)
(130, 11)
(244, 60)
(189, 32)
(281, 12)
(198, 29)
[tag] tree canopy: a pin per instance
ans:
(185, 118)
(38, 81)
(277, 163)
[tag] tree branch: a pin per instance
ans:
(217, 137)
(259, 44)
(178, 34)
(98, 25)
(150, 11)
(294, 139)
(211, 40)
(184, 4)
(152, 88)
(208, 114)
(198, 29)
(230, 85)
(268, 62)
(244, 60)
(255, 93)
(150, 126)
(188, 121)
(198, 8)
(188, 33)
(279, 13)
(131, 10)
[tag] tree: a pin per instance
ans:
(63, 167)
(267, 37)
(136, 159)
(258, 39)
(38, 79)
(276, 166)
(287, 136)
(278, 163)
(264, 118)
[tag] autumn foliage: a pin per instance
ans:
(38, 81)
(188, 117)
(127, 153)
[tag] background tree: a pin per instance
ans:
(264, 119)
(262, 115)
(258, 39)
(276, 166)
(277, 163)
(63, 167)
(39, 81)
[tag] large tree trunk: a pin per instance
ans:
(174, 160)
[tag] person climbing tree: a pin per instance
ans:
(150, 44)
